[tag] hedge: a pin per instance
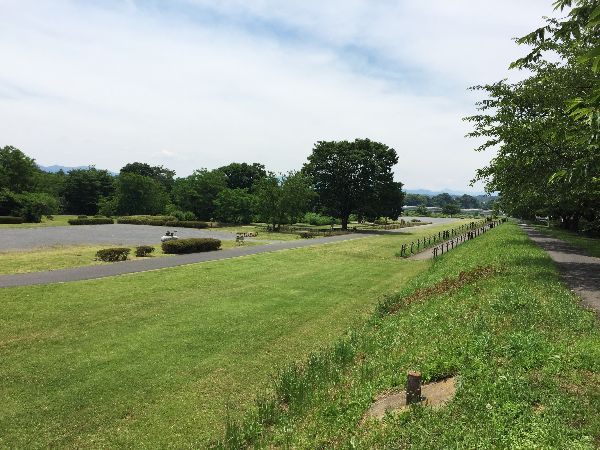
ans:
(143, 250)
(91, 221)
(187, 224)
(113, 254)
(11, 219)
(146, 220)
(194, 245)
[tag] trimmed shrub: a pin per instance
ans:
(318, 219)
(194, 245)
(91, 221)
(143, 250)
(82, 217)
(11, 219)
(187, 224)
(113, 254)
(158, 221)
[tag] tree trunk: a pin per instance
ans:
(345, 222)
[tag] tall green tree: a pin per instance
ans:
(83, 189)
(159, 173)
(283, 199)
(198, 192)
(243, 175)
(234, 206)
(17, 170)
(137, 194)
(355, 177)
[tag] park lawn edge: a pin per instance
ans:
(550, 378)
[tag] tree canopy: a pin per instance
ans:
(355, 178)
(548, 160)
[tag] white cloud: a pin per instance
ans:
(201, 85)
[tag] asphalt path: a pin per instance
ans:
(579, 271)
(143, 265)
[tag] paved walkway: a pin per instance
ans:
(142, 265)
(579, 271)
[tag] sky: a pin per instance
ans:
(192, 84)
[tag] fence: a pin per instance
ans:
(449, 238)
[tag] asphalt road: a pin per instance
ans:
(117, 234)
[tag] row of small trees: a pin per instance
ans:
(546, 128)
(339, 179)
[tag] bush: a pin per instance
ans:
(143, 250)
(158, 221)
(11, 219)
(34, 205)
(113, 254)
(187, 224)
(182, 215)
(194, 245)
(82, 217)
(91, 221)
(318, 219)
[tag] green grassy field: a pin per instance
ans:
(66, 257)
(526, 353)
(153, 359)
(590, 244)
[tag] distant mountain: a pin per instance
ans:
(55, 168)
(65, 169)
(449, 191)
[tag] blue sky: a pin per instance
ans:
(198, 83)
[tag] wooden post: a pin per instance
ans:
(413, 388)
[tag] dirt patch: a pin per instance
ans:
(446, 285)
(435, 395)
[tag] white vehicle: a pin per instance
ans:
(169, 236)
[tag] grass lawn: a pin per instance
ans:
(66, 257)
(587, 243)
(58, 221)
(153, 359)
(526, 353)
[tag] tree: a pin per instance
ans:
(29, 205)
(34, 205)
(354, 177)
(283, 199)
(83, 189)
(198, 192)
(159, 173)
(243, 175)
(137, 194)
(17, 170)
(451, 208)
(234, 206)
(468, 201)
(442, 200)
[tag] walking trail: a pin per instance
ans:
(142, 265)
(579, 271)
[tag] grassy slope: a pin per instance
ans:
(153, 358)
(527, 354)
(66, 257)
(587, 243)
